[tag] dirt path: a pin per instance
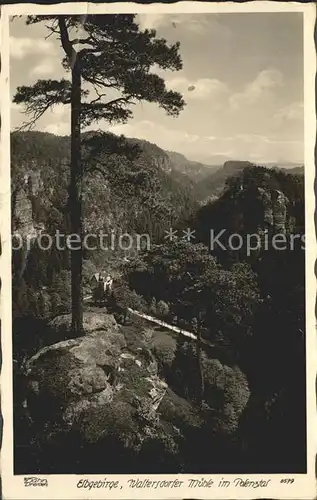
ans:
(173, 328)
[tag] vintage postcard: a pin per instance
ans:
(158, 251)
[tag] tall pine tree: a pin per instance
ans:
(110, 68)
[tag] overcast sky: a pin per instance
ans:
(247, 70)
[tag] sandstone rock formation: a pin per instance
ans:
(104, 390)
(275, 205)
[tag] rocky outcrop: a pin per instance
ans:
(104, 389)
(25, 227)
(22, 216)
(86, 385)
(275, 209)
(279, 202)
(26, 189)
(91, 322)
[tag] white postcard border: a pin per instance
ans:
(61, 487)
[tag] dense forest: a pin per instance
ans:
(247, 308)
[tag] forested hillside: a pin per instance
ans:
(129, 189)
(136, 173)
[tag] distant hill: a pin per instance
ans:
(287, 165)
(299, 170)
(214, 159)
(213, 185)
(296, 170)
(193, 169)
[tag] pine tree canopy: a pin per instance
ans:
(117, 62)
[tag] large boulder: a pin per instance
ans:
(105, 395)
(100, 390)
(92, 321)
(98, 363)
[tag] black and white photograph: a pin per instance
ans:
(159, 264)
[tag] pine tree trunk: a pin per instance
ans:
(76, 201)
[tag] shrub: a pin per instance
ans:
(165, 356)
(89, 269)
(123, 298)
(162, 309)
(153, 307)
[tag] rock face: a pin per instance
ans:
(24, 226)
(275, 209)
(25, 190)
(22, 216)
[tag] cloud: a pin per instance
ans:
(23, 47)
(261, 87)
(16, 107)
(202, 23)
(251, 138)
(59, 128)
(61, 110)
(292, 112)
(16, 115)
(153, 21)
(195, 24)
(58, 119)
(203, 88)
(148, 130)
(187, 23)
(43, 69)
(167, 138)
(261, 148)
(253, 147)
(200, 147)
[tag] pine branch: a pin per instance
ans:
(82, 41)
(97, 83)
(36, 116)
(100, 96)
(44, 94)
(118, 56)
